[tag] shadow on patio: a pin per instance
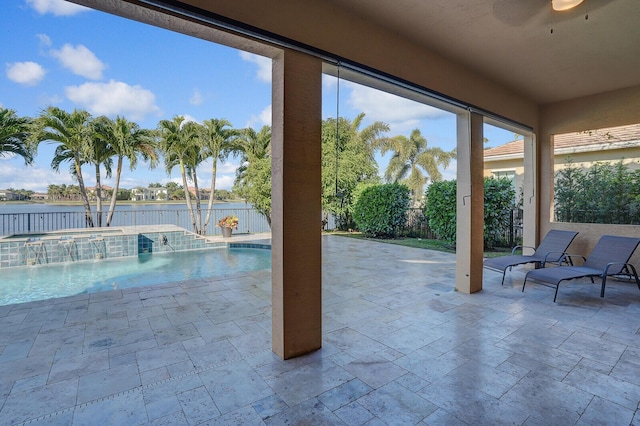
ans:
(400, 347)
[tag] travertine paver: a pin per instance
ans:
(400, 347)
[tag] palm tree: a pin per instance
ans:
(253, 177)
(99, 152)
(218, 142)
(252, 145)
(128, 140)
(178, 143)
(55, 192)
(14, 134)
(410, 157)
(73, 133)
(347, 160)
(370, 138)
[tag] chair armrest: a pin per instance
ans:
(569, 258)
(560, 258)
(624, 266)
(513, 251)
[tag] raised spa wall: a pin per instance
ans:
(79, 246)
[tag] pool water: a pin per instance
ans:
(25, 284)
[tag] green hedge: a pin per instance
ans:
(603, 193)
(381, 210)
(440, 208)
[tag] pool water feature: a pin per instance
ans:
(98, 243)
(41, 282)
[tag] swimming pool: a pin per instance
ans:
(25, 284)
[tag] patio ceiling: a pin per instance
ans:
(510, 41)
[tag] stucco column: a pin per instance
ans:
(470, 203)
(296, 204)
(530, 223)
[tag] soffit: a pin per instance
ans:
(510, 41)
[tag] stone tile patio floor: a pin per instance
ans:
(400, 347)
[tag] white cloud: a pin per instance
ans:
(329, 81)
(56, 7)
(196, 98)
(45, 40)
(46, 99)
(262, 119)
(265, 116)
(114, 98)
(450, 173)
(264, 65)
(225, 182)
(189, 118)
(32, 178)
(80, 60)
(26, 73)
(401, 114)
(225, 174)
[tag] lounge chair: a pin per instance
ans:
(551, 249)
(609, 257)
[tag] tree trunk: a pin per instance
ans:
(198, 206)
(187, 196)
(98, 197)
(116, 186)
(214, 170)
(83, 194)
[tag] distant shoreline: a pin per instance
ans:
(105, 203)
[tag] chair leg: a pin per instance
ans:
(556, 295)
(604, 282)
(524, 283)
(503, 274)
(635, 275)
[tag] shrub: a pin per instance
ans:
(441, 209)
(603, 193)
(499, 197)
(381, 210)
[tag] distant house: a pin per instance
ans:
(6, 195)
(91, 192)
(40, 196)
(582, 149)
(204, 193)
(149, 194)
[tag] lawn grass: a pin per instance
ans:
(421, 243)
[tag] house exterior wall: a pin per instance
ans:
(148, 194)
(617, 108)
(629, 156)
(8, 196)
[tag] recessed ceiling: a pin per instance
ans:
(545, 55)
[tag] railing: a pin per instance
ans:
(249, 220)
(418, 226)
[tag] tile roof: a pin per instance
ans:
(513, 147)
(609, 135)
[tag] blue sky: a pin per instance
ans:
(57, 53)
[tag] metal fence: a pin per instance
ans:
(249, 220)
(418, 226)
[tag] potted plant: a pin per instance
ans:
(227, 224)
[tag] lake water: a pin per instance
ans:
(13, 207)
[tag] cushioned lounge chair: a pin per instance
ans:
(551, 249)
(609, 257)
